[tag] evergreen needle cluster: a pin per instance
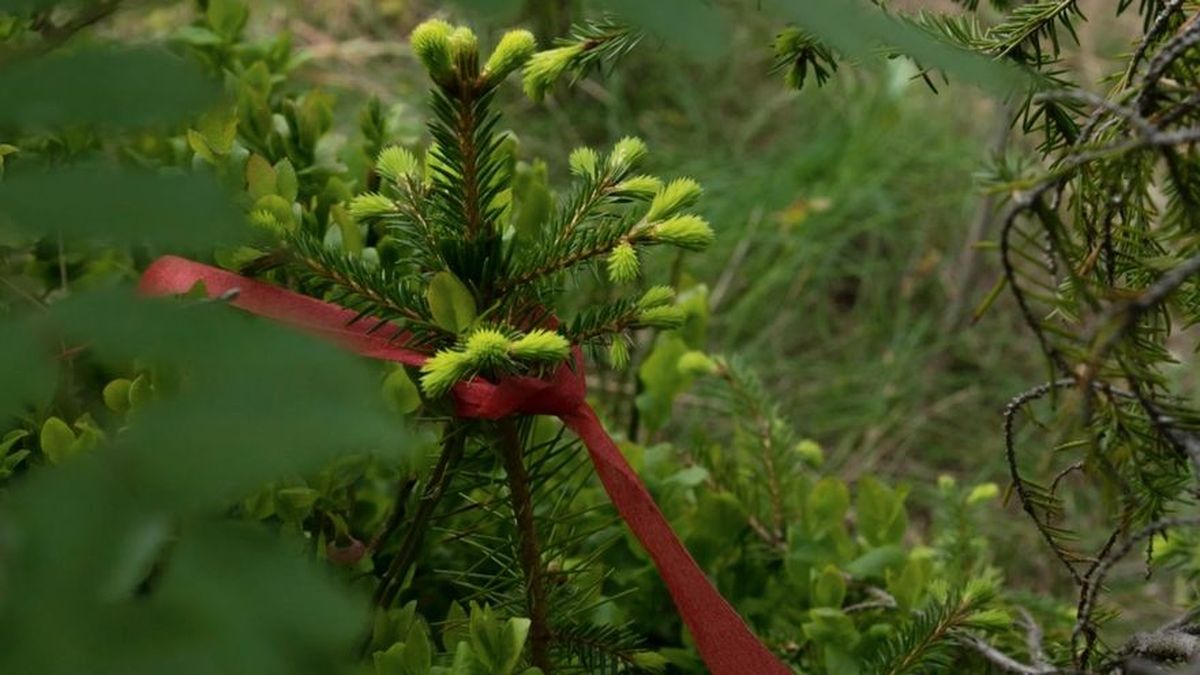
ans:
(478, 279)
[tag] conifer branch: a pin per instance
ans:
(530, 557)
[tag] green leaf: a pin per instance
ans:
(227, 17)
(828, 503)
(661, 379)
(909, 585)
(120, 88)
(294, 504)
(497, 646)
(689, 477)
(126, 205)
(456, 628)
(287, 184)
(10, 440)
(450, 302)
(828, 625)
(260, 177)
(401, 392)
(880, 511)
(875, 562)
(418, 654)
(57, 440)
(116, 395)
(829, 588)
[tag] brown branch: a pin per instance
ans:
(529, 553)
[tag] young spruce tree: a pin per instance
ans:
(471, 273)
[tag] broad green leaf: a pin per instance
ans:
(689, 477)
(296, 503)
(57, 440)
(875, 562)
(227, 17)
(827, 505)
(908, 586)
(418, 654)
(116, 395)
(829, 588)
(260, 177)
(126, 205)
(120, 88)
(450, 302)
(141, 392)
(497, 646)
(456, 628)
(287, 184)
(401, 392)
(880, 512)
(661, 379)
(830, 625)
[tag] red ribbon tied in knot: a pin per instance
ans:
(722, 638)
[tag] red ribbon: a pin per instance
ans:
(725, 643)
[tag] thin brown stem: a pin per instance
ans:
(530, 556)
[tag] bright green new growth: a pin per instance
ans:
(627, 153)
(431, 43)
(623, 264)
(541, 345)
(514, 49)
(444, 370)
(618, 354)
(583, 162)
(656, 296)
(397, 164)
(688, 231)
(666, 317)
(371, 205)
(679, 194)
(464, 46)
(587, 46)
(467, 275)
(546, 67)
(641, 187)
(490, 350)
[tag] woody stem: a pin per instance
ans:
(530, 556)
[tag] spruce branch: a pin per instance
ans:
(530, 557)
(586, 48)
